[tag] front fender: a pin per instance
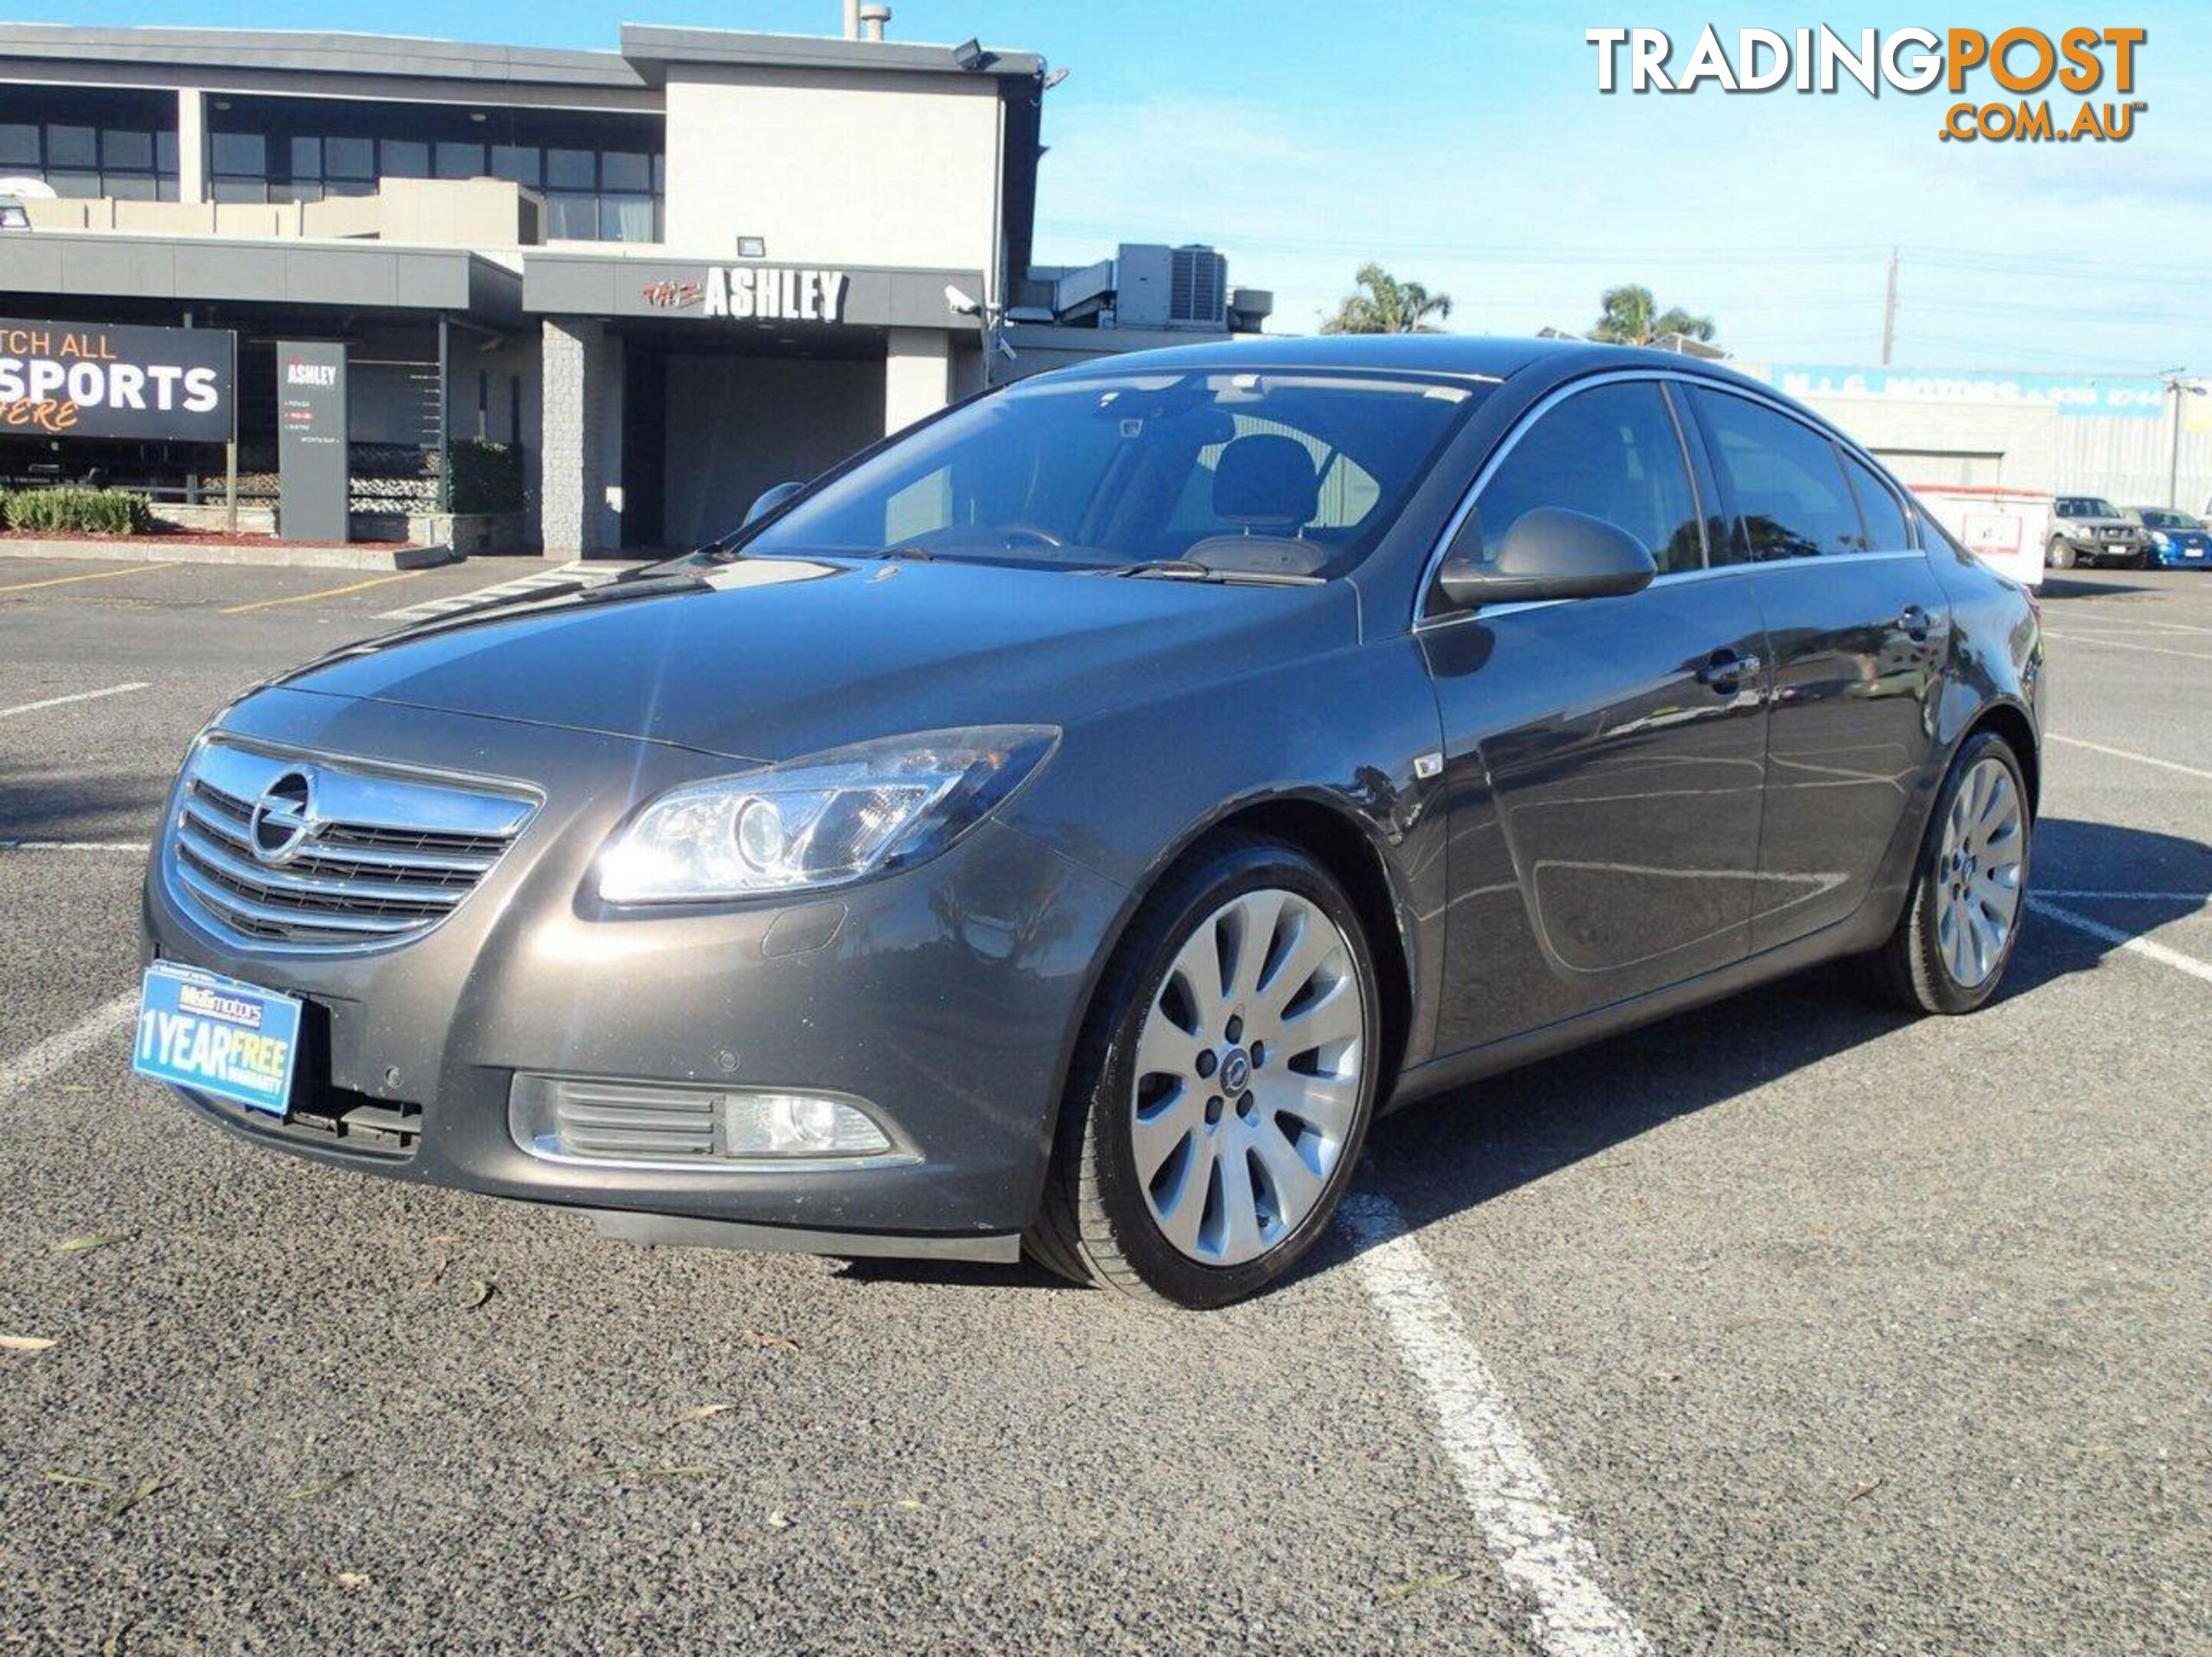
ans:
(1131, 790)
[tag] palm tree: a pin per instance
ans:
(1629, 316)
(1387, 306)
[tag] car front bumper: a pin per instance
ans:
(946, 997)
(2089, 547)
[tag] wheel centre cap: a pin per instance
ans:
(1236, 1070)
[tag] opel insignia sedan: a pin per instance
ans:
(1062, 828)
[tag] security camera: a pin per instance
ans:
(961, 305)
(1006, 350)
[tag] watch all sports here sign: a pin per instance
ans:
(91, 380)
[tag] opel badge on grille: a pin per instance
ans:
(283, 817)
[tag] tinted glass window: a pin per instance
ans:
(1611, 452)
(127, 149)
(19, 144)
(519, 162)
(72, 146)
(402, 158)
(621, 170)
(1304, 471)
(460, 160)
(349, 158)
(1878, 509)
(243, 155)
(1786, 478)
(570, 169)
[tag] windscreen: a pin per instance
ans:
(1301, 472)
(2086, 505)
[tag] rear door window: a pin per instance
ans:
(1884, 518)
(1785, 478)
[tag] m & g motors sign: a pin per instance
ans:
(84, 379)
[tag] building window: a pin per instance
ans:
(92, 141)
(600, 172)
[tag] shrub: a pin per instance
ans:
(486, 477)
(78, 512)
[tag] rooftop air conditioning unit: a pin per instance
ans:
(1158, 287)
(1198, 289)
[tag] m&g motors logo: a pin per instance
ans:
(2021, 84)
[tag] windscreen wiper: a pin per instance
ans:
(1189, 569)
(1173, 569)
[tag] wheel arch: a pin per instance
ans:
(2009, 721)
(1329, 830)
(1343, 846)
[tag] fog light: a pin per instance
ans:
(797, 1125)
(662, 1125)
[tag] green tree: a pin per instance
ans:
(1629, 316)
(1385, 304)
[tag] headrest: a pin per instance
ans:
(1267, 481)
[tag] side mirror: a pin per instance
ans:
(770, 499)
(1550, 553)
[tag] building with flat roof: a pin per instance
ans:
(668, 276)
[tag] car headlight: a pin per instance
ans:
(2160, 538)
(823, 820)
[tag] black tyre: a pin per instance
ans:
(1223, 1085)
(2059, 555)
(1969, 896)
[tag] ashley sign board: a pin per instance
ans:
(775, 294)
(88, 379)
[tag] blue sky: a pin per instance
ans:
(1467, 146)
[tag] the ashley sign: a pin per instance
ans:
(759, 293)
(79, 379)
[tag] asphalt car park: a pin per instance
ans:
(1788, 1325)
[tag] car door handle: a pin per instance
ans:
(1723, 669)
(1916, 622)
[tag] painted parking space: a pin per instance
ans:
(1784, 1326)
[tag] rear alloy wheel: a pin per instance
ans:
(1225, 1084)
(1956, 937)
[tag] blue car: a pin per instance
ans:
(2177, 540)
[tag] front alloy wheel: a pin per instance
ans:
(1225, 1082)
(1248, 1076)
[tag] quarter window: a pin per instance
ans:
(1612, 452)
(1786, 479)
(1884, 518)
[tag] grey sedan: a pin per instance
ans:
(1062, 828)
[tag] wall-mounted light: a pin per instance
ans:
(969, 55)
(477, 116)
(752, 247)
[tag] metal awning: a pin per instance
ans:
(234, 270)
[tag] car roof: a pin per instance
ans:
(1462, 354)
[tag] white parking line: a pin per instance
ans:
(2149, 949)
(1531, 1536)
(80, 696)
(2106, 896)
(2130, 754)
(2114, 643)
(591, 572)
(72, 846)
(32, 1066)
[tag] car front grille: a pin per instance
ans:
(304, 852)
